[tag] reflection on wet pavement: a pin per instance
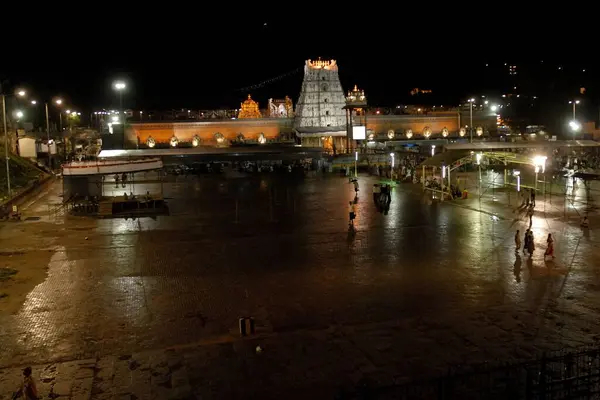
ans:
(278, 249)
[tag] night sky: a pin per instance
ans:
(204, 58)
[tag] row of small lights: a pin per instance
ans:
(427, 133)
(174, 142)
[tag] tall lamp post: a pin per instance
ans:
(471, 101)
(539, 163)
(20, 93)
(58, 103)
(575, 127)
(574, 102)
(120, 86)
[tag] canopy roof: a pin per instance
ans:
(483, 146)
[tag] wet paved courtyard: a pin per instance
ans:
(426, 286)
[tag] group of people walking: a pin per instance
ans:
(529, 243)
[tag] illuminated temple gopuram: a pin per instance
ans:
(249, 109)
(318, 120)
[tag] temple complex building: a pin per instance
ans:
(322, 118)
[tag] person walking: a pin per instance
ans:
(517, 241)
(351, 214)
(550, 247)
(530, 215)
(530, 244)
(532, 198)
(376, 193)
(526, 241)
(27, 390)
(355, 182)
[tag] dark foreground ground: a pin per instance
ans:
(150, 308)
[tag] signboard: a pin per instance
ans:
(359, 133)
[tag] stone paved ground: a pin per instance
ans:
(148, 308)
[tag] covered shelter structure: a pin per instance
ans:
(207, 154)
(456, 155)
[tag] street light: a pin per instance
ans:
(517, 173)
(19, 114)
(574, 102)
(471, 101)
(20, 93)
(33, 102)
(120, 86)
(355, 160)
(478, 158)
(494, 108)
(575, 126)
(540, 164)
(432, 150)
(58, 102)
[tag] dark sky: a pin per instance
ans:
(175, 56)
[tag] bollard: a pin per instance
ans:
(247, 326)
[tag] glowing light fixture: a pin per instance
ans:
(540, 163)
(575, 126)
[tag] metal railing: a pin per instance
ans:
(560, 375)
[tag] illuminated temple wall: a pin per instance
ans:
(381, 124)
(281, 128)
(162, 132)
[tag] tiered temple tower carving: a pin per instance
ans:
(322, 98)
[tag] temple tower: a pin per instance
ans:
(321, 103)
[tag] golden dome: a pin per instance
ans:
(249, 109)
